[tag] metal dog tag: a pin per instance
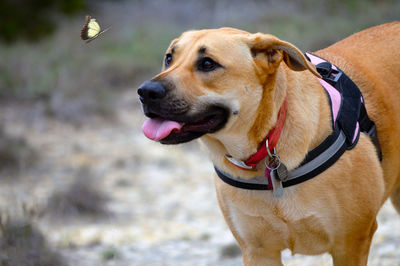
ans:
(277, 188)
(282, 172)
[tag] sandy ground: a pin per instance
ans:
(161, 207)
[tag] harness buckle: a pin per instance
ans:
(330, 74)
(334, 76)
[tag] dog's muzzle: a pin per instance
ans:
(171, 119)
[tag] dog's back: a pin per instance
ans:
(378, 76)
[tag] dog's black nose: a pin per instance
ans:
(151, 91)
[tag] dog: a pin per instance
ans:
(227, 87)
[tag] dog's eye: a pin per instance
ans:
(168, 59)
(207, 64)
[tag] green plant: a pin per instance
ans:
(109, 253)
(32, 20)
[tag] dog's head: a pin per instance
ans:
(212, 81)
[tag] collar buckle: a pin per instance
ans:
(238, 163)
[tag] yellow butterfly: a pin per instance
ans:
(91, 30)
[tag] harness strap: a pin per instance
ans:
(332, 148)
(352, 117)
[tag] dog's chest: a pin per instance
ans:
(281, 224)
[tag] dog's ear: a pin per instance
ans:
(275, 50)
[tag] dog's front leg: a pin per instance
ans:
(355, 250)
(260, 244)
(253, 257)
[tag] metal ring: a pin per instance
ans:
(276, 165)
(268, 150)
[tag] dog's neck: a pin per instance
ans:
(307, 123)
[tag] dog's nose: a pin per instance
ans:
(151, 91)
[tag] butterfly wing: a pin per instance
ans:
(85, 29)
(91, 29)
(97, 35)
(94, 28)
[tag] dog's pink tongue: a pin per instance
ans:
(157, 128)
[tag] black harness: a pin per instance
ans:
(349, 118)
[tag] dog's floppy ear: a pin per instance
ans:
(277, 50)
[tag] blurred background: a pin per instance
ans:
(79, 183)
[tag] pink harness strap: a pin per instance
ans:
(336, 98)
(334, 94)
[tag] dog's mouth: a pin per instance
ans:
(180, 129)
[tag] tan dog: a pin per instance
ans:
(227, 87)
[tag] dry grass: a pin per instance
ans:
(15, 154)
(81, 199)
(22, 243)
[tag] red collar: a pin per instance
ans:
(272, 138)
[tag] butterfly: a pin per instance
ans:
(91, 29)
